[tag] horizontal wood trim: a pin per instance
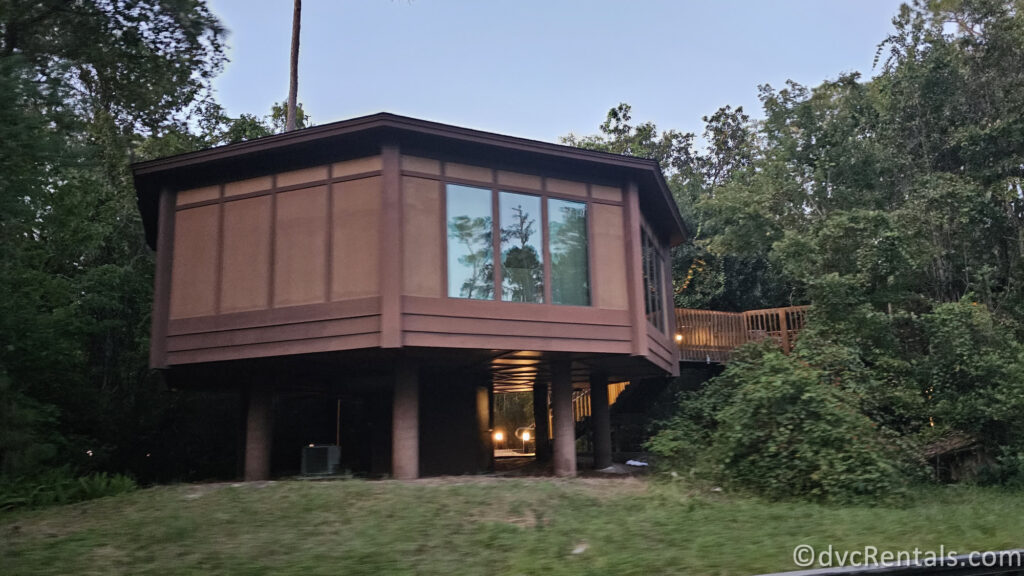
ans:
(281, 333)
(526, 328)
(660, 357)
(505, 187)
(309, 346)
(311, 184)
(489, 309)
(440, 340)
(288, 315)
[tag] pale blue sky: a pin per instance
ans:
(541, 69)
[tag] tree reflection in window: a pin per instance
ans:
(470, 250)
(522, 267)
(567, 229)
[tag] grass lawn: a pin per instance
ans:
(479, 526)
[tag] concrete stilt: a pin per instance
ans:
(258, 433)
(540, 418)
(405, 423)
(600, 420)
(565, 427)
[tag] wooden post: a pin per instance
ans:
(565, 426)
(784, 329)
(405, 423)
(258, 431)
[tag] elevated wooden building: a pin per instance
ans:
(410, 269)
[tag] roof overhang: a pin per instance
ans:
(364, 136)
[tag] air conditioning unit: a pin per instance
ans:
(320, 460)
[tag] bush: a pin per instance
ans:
(782, 428)
(789, 432)
(61, 486)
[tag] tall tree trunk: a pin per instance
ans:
(293, 85)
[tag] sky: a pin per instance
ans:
(541, 69)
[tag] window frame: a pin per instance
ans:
(544, 195)
(656, 266)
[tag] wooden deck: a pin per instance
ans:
(710, 336)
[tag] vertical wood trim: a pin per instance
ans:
(545, 249)
(444, 237)
(496, 240)
(162, 281)
(592, 262)
(329, 236)
(390, 249)
(668, 301)
(218, 271)
(634, 274)
(273, 242)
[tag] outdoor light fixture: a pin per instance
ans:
(499, 436)
(526, 436)
(679, 337)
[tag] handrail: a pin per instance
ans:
(711, 336)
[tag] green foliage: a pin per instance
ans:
(780, 427)
(61, 486)
(89, 84)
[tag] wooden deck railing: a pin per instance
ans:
(709, 336)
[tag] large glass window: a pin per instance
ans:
(654, 285)
(567, 239)
(522, 260)
(470, 246)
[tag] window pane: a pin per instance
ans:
(522, 266)
(470, 251)
(567, 233)
(654, 289)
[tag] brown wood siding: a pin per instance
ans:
(466, 172)
(609, 257)
(355, 238)
(306, 175)
(609, 193)
(266, 349)
(245, 255)
(198, 194)
(300, 240)
(422, 243)
(357, 166)
(456, 323)
(424, 165)
(194, 267)
(248, 186)
(566, 187)
(662, 353)
(292, 330)
(519, 180)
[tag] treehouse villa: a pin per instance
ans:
(379, 280)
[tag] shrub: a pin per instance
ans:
(789, 432)
(61, 486)
(782, 428)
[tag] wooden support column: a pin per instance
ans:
(600, 420)
(540, 418)
(565, 426)
(405, 423)
(162, 279)
(258, 433)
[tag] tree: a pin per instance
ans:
(91, 83)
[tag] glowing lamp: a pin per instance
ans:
(499, 436)
(526, 436)
(679, 337)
